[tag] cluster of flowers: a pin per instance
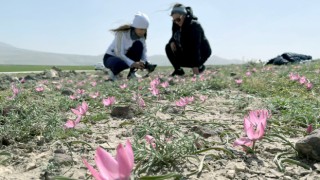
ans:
(301, 79)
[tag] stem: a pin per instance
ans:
(253, 144)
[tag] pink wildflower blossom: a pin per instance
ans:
(109, 101)
(118, 168)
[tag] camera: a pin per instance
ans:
(150, 67)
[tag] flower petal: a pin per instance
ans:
(94, 172)
(84, 105)
(125, 159)
(77, 121)
(69, 124)
(243, 141)
(130, 152)
(107, 165)
(76, 111)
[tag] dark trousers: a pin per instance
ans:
(116, 65)
(179, 59)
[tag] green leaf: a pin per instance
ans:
(62, 178)
(167, 176)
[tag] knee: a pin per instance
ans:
(168, 48)
(137, 45)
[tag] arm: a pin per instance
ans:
(144, 52)
(120, 49)
(196, 37)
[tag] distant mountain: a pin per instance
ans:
(12, 55)
(17, 56)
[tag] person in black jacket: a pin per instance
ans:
(188, 45)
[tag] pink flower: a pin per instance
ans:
(244, 141)
(73, 97)
(81, 110)
(94, 95)
(81, 83)
(44, 82)
(72, 123)
(151, 141)
(154, 91)
(23, 80)
(238, 81)
(155, 83)
(165, 84)
(302, 80)
(248, 73)
(141, 102)
(118, 168)
(294, 77)
(15, 91)
(255, 124)
(59, 86)
(123, 86)
(309, 129)
(109, 101)
(203, 98)
(254, 127)
(94, 83)
(182, 102)
(189, 99)
(81, 91)
(309, 86)
(202, 78)
(39, 89)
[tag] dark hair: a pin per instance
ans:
(177, 5)
(188, 9)
(126, 27)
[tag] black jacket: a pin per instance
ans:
(195, 46)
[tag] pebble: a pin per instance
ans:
(239, 167)
(231, 174)
(31, 166)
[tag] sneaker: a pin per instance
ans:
(112, 77)
(133, 75)
(202, 68)
(150, 67)
(179, 72)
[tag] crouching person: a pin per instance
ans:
(128, 49)
(188, 45)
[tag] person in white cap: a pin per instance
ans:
(128, 49)
(188, 45)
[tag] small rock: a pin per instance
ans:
(287, 178)
(5, 170)
(275, 173)
(317, 166)
(125, 112)
(67, 92)
(40, 140)
(31, 166)
(240, 167)
(309, 145)
(231, 174)
(174, 110)
(60, 151)
(204, 132)
(62, 159)
(237, 166)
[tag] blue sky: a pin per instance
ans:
(247, 29)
